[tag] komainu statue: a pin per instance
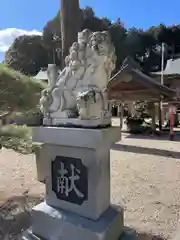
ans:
(77, 95)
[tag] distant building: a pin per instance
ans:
(171, 74)
(171, 79)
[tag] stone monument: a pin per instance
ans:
(74, 162)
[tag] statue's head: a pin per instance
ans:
(101, 45)
(100, 41)
(83, 37)
(74, 47)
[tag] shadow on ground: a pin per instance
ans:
(144, 236)
(130, 234)
(145, 150)
(158, 136)
(15, 217)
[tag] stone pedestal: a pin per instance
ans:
(56, 224)
(74, 163)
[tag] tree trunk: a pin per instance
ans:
(70, 25)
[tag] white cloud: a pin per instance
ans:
(8, 35)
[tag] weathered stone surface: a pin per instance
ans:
(75, 166)
(98, 173)
(77, 137)
(92, 149)
(53, 224)
(41, 164)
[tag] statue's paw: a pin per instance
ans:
(83, 114)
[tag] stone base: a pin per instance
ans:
(28, 235)
(75, 122)
(87, 138)
(89, 151)
(52, 224)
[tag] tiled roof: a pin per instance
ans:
(131, 67)
(172, 67)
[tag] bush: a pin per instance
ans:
(137, 125)
(14, 131)
(18, 92)
(17, 138)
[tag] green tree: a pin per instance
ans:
(93, 23)
(170, 35)
(51, 38)
(134, 43)
(27, 55)
(51, 29)
(118, 36)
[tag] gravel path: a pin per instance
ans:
(145, 180)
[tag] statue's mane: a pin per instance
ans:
(91, 41)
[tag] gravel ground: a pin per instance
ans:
(145, 180)
(146, 184)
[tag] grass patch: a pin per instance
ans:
(18, 138)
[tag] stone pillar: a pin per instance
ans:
(74, 163)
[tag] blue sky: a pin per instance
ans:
(33, 14)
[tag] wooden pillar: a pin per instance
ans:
(70, 25)
(121, 106)
(160, 115)
(153, 115)
(131, 108)
(172, 112)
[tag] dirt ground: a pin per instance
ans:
(145, 175)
